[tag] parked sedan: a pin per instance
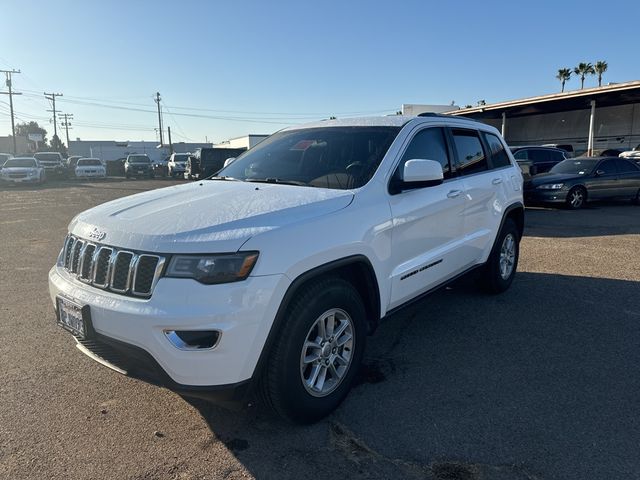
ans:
(576, 181)
(90, 167)
(23, 170)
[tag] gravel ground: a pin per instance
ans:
(541, 382)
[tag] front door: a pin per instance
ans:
(427, 223)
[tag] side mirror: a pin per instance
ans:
(599, 173)
(228, 161)
(418, 173)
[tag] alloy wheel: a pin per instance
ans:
(327, 352)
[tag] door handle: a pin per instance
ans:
(496, 181)
(454, 193)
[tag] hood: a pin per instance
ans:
(553, 178)
(204, 217)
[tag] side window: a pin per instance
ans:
(521, 154)
(471, 156)
(557, 156)
(625, 166)
(499, 157)
(428, 144)
(608, 167)
(539, 155)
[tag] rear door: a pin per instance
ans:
(484, 197)
(628, 177)
(427, 222)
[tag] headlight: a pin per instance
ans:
(552, 186)
(210, 269)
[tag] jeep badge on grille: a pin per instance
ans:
(96, 234)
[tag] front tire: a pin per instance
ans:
(500, 269)
(576, 198)
(317, 353)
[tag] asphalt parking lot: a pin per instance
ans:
(542, 382)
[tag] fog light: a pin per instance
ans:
(193, 339)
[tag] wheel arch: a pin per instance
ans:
(357, 269)
(515, 212)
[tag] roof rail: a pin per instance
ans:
(443, 115)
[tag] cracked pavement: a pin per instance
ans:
(538, 383)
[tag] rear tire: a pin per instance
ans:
(499, 271)
(576, 198)
(317, 353)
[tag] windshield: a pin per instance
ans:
(139, 159)
(181, 158)
(329, 157)
(48, 157)
(578, 167)
(21, 162)
(88, 161)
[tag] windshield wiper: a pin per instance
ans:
(278, 181)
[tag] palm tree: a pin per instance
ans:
(583, 69)
(600, 67)
(564, 74)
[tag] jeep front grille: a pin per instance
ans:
(109, 268)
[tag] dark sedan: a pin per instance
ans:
(576, 181)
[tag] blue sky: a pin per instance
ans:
(228, 68)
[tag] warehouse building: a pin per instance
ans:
(589, 120)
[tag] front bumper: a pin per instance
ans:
(534, 196)
(20, 180)
(243, 312)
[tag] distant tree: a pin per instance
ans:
(564, 74)
(600, 67)
(57, 145)
(583, 69)
(24, 129)
(481, 103)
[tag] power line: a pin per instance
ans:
(8, 74)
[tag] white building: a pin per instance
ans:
(246, 141)
(112, 150)
(411, 109)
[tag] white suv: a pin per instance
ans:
(272, 274)
(177, 164)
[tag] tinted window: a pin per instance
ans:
(521, 155)
(608, 167)
(556, 156)
(471, 157)
(499, 157)
(625, 166)
(539, 156)
(21, 162)
(327, 157)
(428, 144)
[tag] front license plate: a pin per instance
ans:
(140, 171)
(73, 317)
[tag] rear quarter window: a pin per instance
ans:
(499, 157)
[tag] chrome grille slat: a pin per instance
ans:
(120, 271)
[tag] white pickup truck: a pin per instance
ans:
(298, 249)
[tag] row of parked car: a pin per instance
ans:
(38, 167)
(552, 177)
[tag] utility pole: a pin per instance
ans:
(66, 124)
(170, 144)
(11, 94)
(157, 100)
(52, 97)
